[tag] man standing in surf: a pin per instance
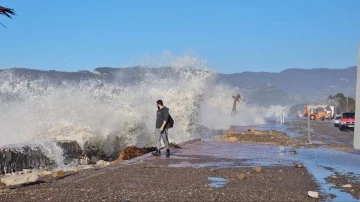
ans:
(163, 123)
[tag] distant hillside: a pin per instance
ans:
(290, 86)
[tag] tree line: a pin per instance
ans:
(340, 102)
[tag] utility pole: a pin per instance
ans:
(309, 130)
(357, 107)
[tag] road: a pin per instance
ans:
(324, 131)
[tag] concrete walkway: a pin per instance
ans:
(200, 171)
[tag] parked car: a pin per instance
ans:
(337, 120)
(347, 121)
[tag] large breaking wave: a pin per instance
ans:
(101, 111)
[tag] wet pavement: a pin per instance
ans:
(200, 171)
(207, 171)
(323, 131)
(323, 161)
(208, 154)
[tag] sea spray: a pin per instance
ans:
(110, 113)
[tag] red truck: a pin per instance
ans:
(347, 121)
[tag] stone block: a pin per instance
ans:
(102, 163)
(20, 179)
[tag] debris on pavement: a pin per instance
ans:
(347, 182)
(174, 146)
(241, 176)
(293, 151)
(346, 186)
(272, 137)
(257, 169)
(133, 152)
(313, 194)
(299, 165)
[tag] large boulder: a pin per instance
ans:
(19, 179)
(18, 157)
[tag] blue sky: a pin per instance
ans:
(233, 35)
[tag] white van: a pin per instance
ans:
(337, 120)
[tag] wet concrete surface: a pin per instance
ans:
(201, 171)
(319, 160)
(225, 155)
(206, 171)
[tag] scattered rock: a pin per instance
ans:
(102, 163)
(45, 172)
(257, 169)
(299, 165)
(256, 136)
(293, 151)
(313, 194)
(241, 176)
(248, 173)
(150, 166)
(27, 171)
(20, 179)
(346, 186)
(57, 174)
(332, 196)
(334, 176)
(213, 170)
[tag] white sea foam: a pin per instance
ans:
(36, 111)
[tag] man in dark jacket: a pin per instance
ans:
(161, 131)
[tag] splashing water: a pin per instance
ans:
(37, 110)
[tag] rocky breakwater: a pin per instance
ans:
(18, 157)
(15, 158)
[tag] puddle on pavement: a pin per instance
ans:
(217, 182)
(320, 173)
(315, 160)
